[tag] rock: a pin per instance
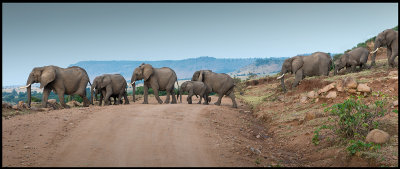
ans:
(309, 116)
(339, 86)
(363, 88)
(393, 73)
(52, 101)
(316, 100)
(331, 95)
(303, 99)
(6, 105)
(377, 136)
(396, 103)
(22, 105)
(353, 91)
(350, 83)
(327, 88)
(312, 95)
(258, 136)
(249, 87)
(73, 103)
(15, 107)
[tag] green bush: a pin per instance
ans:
(352, 121)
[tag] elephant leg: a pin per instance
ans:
(126, 98)
(168, 97)
(219, 99)
(145, 94)
(157, 96)
(201, 97)
(46, 93)
(174, 101)
(86, 101)
(232, 96)
(205, 102)
(353, 68)
(108, 95)
(298, 78)
(189, 98)
(61, 97)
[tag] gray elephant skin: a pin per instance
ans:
(195, 88)
(159, 79)
(102, 94)
(63, 81)
(316, 64)
(353, 58)
(388, 38)
(109, 85)
(220, 83)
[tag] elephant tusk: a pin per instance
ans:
(133, 83)
(280, 76)
(374, 51)
(23, 87)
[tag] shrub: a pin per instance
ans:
(352, 121)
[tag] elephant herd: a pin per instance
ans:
(320, 63)
(73, 80)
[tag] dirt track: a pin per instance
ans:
(123, 135)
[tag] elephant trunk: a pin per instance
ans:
(179, 92)
(28, 89)
(376, 47)
(92, 94)
(134, 90)
(335, 71)
(282, 77)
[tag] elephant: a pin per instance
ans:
(69, 81)
(195, 88)
(220, 83)
(316, 64)
(353, 58)
(115, 96)
(388, 38)
(109, 85)
(159, 79)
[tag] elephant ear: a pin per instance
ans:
(105, 80)
(147, 71)
(48, 75)
(297, 63)
(200, 76)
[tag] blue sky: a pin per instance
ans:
(40, 34)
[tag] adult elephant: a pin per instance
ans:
(220, 83)
(388, 38)
(110, 85)
(316, 64)
(159, 79)
(69, 81)
(354, 58)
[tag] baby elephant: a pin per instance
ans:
(354, 58)
(195, 88)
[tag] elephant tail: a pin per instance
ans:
(178, 92)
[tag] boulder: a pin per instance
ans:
(6, 105)
(352, 91)
(22, 105)
(393, 73)
(331, 95)
(327, 88)
(73, 103)
(363, 88)
(52, 101)
(339, 86)
(309, 116)
(377, 136)
(303, 99)
(312, 95)
(350, 83)
(15, 107)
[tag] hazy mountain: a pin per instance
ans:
(183, 68)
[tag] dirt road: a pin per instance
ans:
(118, 135)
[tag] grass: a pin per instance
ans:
(12, 112)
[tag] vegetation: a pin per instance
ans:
(352, 120)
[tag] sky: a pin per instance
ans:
(61, 34)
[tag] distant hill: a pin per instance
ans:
(183, 68)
